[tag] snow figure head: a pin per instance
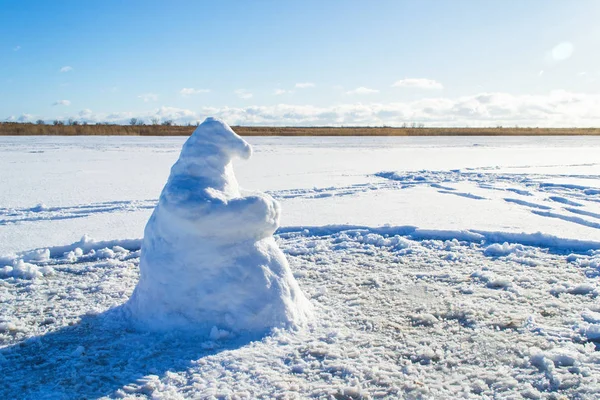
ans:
(209, 261)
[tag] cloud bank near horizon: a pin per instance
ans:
(556, 109)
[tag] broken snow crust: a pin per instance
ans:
(396, 317)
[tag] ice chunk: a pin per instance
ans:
(209, 262)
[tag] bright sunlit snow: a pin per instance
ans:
(209, 262)
(435, 267)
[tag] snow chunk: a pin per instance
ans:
(23, 270)
(546, 361)
(7, 326)
(105, 253)
(591, 317)
(308, 247)
(504, 249)
(424, 319)
(491, 280)
(209, 261)
(592, 332)
(37, 256)
(395, 242)
(582, 289)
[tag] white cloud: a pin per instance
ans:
(279, 92)
(25, 118)
(421, 83)
(305, 85)
(66, 68)
(555, 109)
(176, 114)
(243, 94)
(191, 91)
(17, 48)
(562, 51)
(62, 103)
(148, 97)
(362, 90)
(86, 113)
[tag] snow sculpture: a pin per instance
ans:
(209, 261)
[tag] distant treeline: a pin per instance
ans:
(76, 129)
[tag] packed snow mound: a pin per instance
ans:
(209, 262)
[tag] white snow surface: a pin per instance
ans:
(209, 262)
(435, 267)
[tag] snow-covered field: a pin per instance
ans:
(437, 268)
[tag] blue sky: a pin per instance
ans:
(440, 63)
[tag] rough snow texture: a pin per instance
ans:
(209, 261)
(468, 292)
(396, 318)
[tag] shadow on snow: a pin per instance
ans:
(98, 356)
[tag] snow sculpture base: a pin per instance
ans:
(209, 261)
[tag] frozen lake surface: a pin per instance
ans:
(438, 267)
(55, 189)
